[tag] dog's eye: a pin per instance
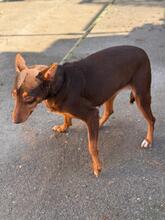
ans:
(29, 99)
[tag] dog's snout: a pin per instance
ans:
(16, 118)
(16, 121)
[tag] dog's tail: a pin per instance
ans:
(132, 99)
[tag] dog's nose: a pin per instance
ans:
(16, 121)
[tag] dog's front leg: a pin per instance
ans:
(83, 110)
(93, 126)
(65, 125)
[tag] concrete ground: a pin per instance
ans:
(46, 175)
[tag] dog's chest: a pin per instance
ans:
(52, 105)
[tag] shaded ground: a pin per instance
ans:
(47, 176)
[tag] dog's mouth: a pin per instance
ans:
(30, 112)
(28, 115)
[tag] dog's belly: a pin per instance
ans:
(100, 96)
(103, 85)
(97, 101)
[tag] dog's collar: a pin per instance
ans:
(50, 89)
(53, 92)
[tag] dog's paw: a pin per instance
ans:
(96, 169)
(100, 124)
(146, 144)
(59, 128)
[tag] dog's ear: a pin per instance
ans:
(48, 73)
(20, 63)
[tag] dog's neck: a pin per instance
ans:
(56, 84)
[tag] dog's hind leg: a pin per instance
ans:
(142, 93)
(108, 110)
(144, 104)
(65, 126)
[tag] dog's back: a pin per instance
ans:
(109, 70)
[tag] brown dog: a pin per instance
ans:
(76, 89)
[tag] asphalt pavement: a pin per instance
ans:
(46, 175)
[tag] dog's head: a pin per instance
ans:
(30, 87)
